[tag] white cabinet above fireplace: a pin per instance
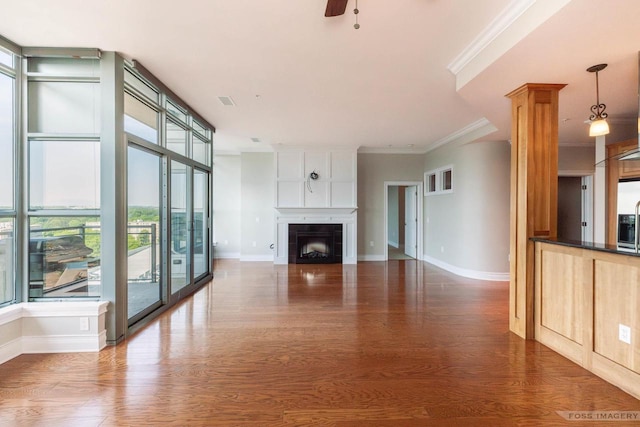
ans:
(316, 179)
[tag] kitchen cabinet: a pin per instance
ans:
(617, 170)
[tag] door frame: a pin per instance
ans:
(419, 203)
(410, 215)
(587, 208)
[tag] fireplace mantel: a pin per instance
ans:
(316, 211)
(345, 216)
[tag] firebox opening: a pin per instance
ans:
(314, 247)
(315, 243)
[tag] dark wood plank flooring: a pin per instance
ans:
(378, 344)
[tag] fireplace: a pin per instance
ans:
(315, 243)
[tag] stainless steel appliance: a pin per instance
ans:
(626, 230)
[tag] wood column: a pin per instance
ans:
(534, 192)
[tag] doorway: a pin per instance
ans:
(575, 208)
(403, 224)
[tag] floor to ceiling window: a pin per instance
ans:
(65, 202)
(160, 125)
(200, 215)
(180, 229)
(63, 98)
(8, 119)
(144, 290)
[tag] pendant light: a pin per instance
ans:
(599, 125)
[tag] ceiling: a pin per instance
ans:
(416, 75)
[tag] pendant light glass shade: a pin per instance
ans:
(599, 125)
(599, 128)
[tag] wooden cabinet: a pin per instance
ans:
(583, 299)
(627, 168)
(617, 170)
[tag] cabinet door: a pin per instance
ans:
(629, 168)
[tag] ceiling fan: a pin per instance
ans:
(335, 7)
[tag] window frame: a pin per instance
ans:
(438, 177)
(14, 71)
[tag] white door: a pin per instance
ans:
(410, 221)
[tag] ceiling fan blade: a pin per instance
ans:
(335, 7)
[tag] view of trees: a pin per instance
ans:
(90, 227)
(143, 214)
(65, 226)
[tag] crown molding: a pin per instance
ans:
(519, 19)
(226, 153)
(312, 148)
(480, 127)
(391, 150)
(500, 23)
(469, 133)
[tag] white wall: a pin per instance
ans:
(576, 161)
(373, 171)
(257, 214)
(226, 205)
(467, 231)
(335, 186)
(243, 211)
(52, 327)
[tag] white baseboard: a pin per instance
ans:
(256, 258)
(371, 258)
(10, 349)
(29, 318)
(227, 255)
(464, 272)
(62, 343)
(52, 344)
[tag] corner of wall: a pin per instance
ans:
(52, 327)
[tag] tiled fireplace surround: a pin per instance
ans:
(346, 217)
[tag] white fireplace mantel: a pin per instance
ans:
(344, 216)
(315, 211)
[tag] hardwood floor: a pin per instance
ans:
(378, 344)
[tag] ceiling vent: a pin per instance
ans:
(254, 139)
(227, 101)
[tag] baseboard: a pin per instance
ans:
(464, 272)
(371, 258)
(28, 320)
(228, 255)
(61, 344)
(10, 350)
(257, 258)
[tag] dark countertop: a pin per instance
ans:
(602, 247)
